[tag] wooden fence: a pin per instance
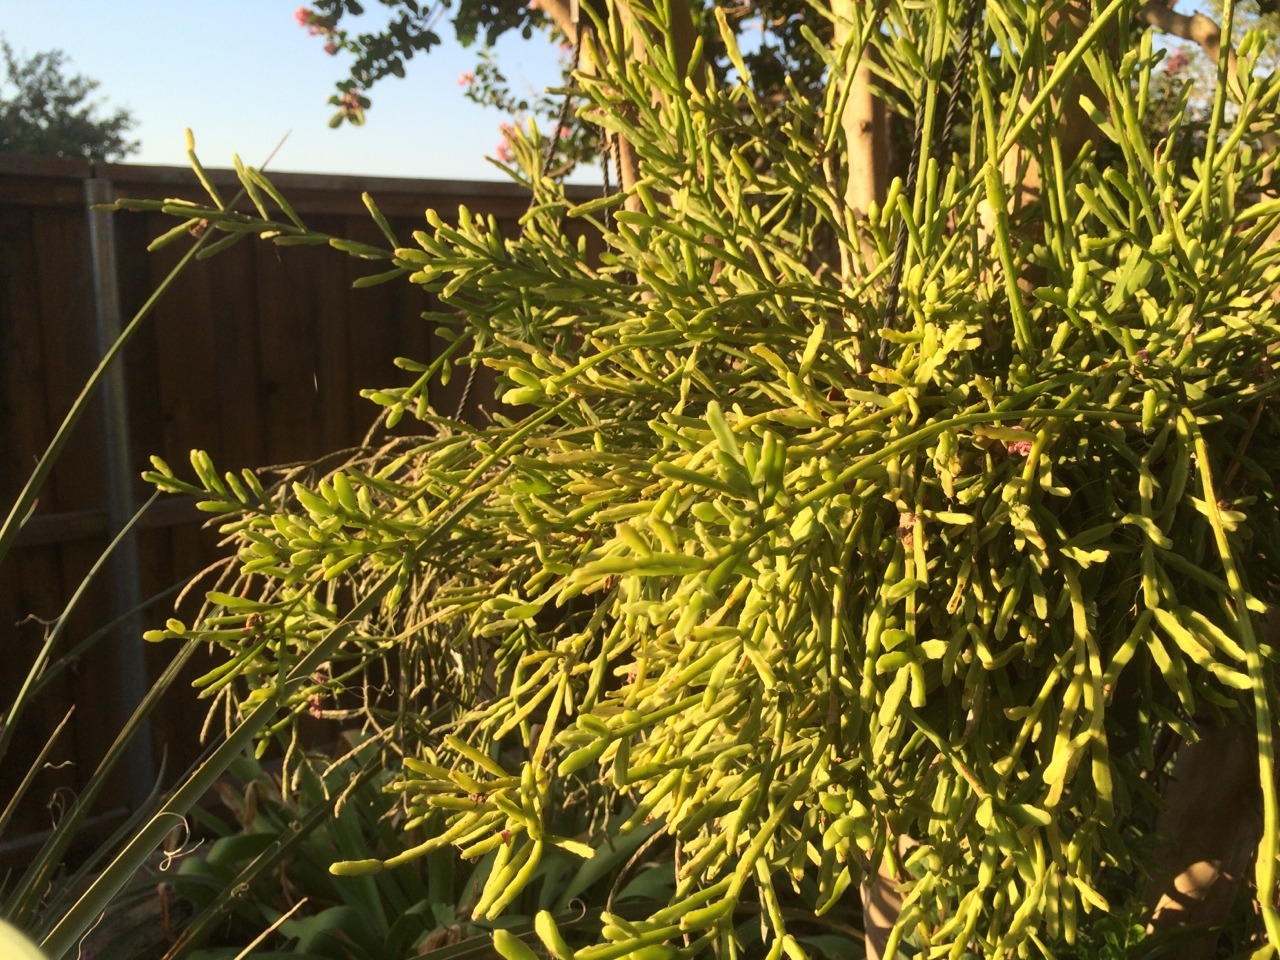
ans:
(256, 355)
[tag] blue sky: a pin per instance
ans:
(241, 73)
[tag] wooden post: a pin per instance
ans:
(866, 127)
(131, 666)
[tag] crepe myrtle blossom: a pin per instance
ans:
(1176, 60)
(1019, 448)
(466, 78)
(315, 24)
(351, 105)
(503, 150)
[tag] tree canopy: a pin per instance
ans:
(45, 110)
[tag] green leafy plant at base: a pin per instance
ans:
(809, 582)
(335, 811)
(269, 871)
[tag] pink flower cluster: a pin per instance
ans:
(466, 78)
(315, 24)
(503, 150)
(350, 106)
(1018, 448)
(1176, 60)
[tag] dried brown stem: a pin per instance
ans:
(624, 13)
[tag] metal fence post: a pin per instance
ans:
(131, 666)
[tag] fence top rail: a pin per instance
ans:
(143, 180)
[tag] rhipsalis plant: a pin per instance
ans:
(818, 585)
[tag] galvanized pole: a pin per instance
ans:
(131, 666)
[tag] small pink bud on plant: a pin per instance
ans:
(1019, 448)
(1176, 61)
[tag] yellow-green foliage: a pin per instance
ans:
(795, 592)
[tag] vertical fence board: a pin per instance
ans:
(237, 358)
(142, 357)
(187, 374)
(25, 428)
(34, 575)
(65, 305)
(371, 342)
(291, 412)
(338, 419)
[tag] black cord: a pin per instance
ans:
(900, 244)
(566, 106)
